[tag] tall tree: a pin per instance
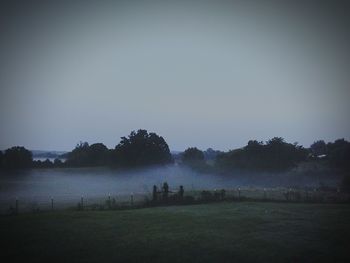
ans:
(140, 149)
(79, 155)
(88, 155)
(192, 155)
(98, 154)
(17, 157)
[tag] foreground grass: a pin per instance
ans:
(222, 232)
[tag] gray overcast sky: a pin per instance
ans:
(199, 73)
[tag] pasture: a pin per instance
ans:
(217, 232)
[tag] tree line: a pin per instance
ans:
(141, 148)
(275, 155)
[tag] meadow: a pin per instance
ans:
(217, 232)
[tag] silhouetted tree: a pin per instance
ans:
(79, 156)
(339, 155)
(281, 155)
(43, 164)
(318, 148)
(47, 163)
(140, 149)
(88, 155)
(210, 154)
(192, 155)
(194, 158)
(98, 154)
(17, 157)
(57, 162)
(275, 155)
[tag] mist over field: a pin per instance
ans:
(72, 183)
(104, 181)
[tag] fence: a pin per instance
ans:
(93, 202)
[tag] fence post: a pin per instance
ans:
(239, 193)
(16, 207)
(82, 202)
(314, 195)
(51, 203)
(307, 195)
(132, 199)
(338, 194)
(288, 194)
(264, 193)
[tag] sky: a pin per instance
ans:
(199, 73)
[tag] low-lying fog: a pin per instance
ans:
(92, 182)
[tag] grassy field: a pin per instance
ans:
(220, 232)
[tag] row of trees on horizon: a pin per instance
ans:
(142, 148)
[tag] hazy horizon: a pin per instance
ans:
(210, 74)
(171, 150)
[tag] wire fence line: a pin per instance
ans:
(40, 203)
(58, 202)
